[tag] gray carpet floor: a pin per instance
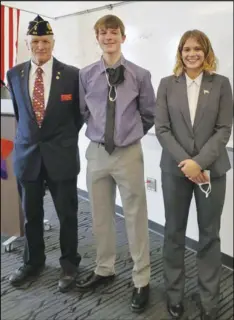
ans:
(40, 299)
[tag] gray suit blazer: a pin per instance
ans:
(205, 141)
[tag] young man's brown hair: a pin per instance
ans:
(109, 21)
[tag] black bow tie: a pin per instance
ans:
(116, 76)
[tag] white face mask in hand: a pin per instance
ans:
(207, 189)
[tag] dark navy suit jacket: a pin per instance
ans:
(56, 142)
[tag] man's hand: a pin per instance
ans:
(190, 168)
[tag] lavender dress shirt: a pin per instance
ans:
(135, 103)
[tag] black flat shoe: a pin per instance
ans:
(176, 311)
(78, 260)
(93, 281)
(22, 274)
(140, 298)
(208, 315)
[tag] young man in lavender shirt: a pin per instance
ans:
(118, 103)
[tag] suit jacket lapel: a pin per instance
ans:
(55, 88)
(183, 100)
(24, 74)
(204, 94)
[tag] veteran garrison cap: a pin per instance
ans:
(39, 27)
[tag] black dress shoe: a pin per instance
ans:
(176, 311)
(24, 272)
(140, 297)
(67, 281)
(93, 281)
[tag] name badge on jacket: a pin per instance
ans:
(66, 97)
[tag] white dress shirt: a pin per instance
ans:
(193, 89)
(46, 75)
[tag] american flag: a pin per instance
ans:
(9, 38)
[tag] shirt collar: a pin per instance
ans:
(197, 80)
(103, 66)
(46, 67)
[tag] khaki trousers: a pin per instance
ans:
(123, 168)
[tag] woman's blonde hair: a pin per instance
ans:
(210, 61)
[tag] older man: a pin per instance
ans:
(45, 97)
(118, 103)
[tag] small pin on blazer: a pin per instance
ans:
(206, 92)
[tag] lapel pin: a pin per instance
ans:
(22, 73)
(57, 77)
(206, 92)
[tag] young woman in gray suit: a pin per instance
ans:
(193, 124)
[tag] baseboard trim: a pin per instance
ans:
(227, 260)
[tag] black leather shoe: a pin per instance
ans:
(23, 273)
(176, 311)
(67, 281)
(208, 315)
(93, 281)
(140, 297)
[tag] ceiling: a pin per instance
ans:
(56, 9)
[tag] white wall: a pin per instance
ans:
(153, 30)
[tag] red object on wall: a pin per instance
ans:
(6, 148)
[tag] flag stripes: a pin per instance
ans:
(9, 38)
